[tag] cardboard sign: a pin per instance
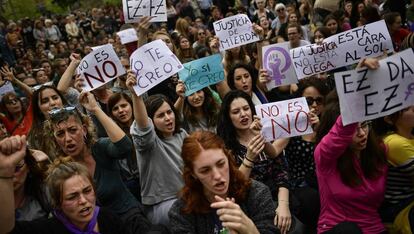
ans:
(127, 35)
(234, 31)
(342, 49)
(99, 67)
(277, 62)
(136, 9)
(153, 63)
(201, 73)
(7, 87)
(369, 94)
(283, 119)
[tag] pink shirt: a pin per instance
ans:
(339, 202)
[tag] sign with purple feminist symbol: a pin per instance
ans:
(277, 62)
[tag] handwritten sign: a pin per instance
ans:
(201, 73)
(136, 9)
(342, 49)
(277, 62)
(369, 94)
(234, 31)
(153, 63)
(284, 119)
(99, 67)
(127, 35)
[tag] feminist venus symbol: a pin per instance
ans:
(274, 66)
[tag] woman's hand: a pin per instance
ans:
(258, 30)
(131, 81)
(283, 218)
(75, 58)
(233, 217)
(264, 78)
(180, 89)
(214, 45)
(6, 73)
(370, 63)
(256, 126)
(144, 24)
(79, 83)
(12, 151)
(87, 100)
(313, 118)
(255, 147)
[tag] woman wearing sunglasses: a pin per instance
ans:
(299, 154)
(74, 136)
(72, 192)
(351, 171)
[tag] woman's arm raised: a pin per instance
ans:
(140, 111)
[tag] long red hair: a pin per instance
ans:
(193, 192)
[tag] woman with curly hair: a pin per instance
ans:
(216, 193)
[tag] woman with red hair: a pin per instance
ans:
(217, 197)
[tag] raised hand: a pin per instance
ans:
(180, 89)
(75, 58)
(131, 81)
(6, 73)
(87, 100)
(12, 151)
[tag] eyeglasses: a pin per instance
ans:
(57, 114)
(280, 9)
(37, 87)
(19, 166)
(364, 126)
(311, 100)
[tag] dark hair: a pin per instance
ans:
(382, 127)
(370, 14)
(318, 84)
(230, 75)
(192, 193)
(210, 109)
(112, 101)
(332, 17)
(294, 25)
(372, 157)
(324, 31)
(225, 127)
(153, 103)
(6, 98)
(391, 17)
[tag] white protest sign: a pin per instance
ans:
(99, 67)
(284, 119)
(7, 87)
(342, 49)
(277, 62)
(127, 35)
(234, 31)
(136, 9)
(369, 94)
(153, 63)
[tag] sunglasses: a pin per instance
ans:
(37, 87)
(311, 100)
(57, 114)
(280, 10)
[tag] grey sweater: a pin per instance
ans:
(258, 206)
(159, 162)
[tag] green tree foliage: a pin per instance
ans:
(18, 9)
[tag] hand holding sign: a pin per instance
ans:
(369, 94)
(180, 89)
(255, 147)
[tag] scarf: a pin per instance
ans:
(72, 228)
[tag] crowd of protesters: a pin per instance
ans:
(112, 161)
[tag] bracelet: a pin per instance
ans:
(248, 159)
(244, 164)
(6, 177)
